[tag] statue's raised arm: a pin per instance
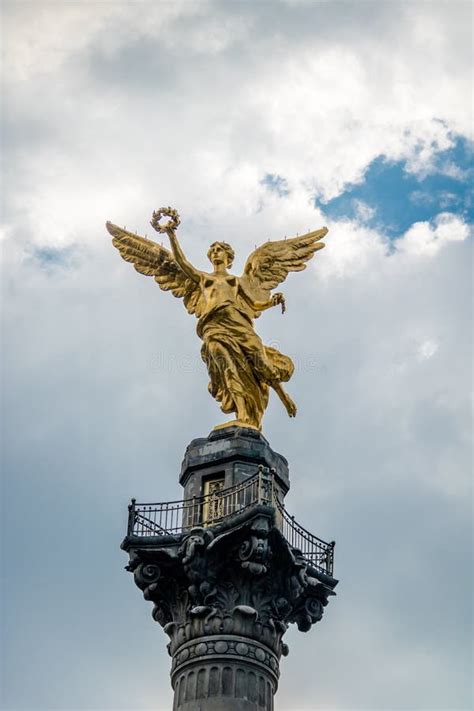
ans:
(170, 229)
(152, 259)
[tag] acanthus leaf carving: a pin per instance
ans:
(247, 581)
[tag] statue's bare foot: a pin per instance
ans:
(290, 406)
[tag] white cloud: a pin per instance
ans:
(129, 100)
(363, 211)
(424, 239)
(42, 37)
(427, 350)
(115, 108)
(353, 249)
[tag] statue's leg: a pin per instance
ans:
(285, 398)
(217, 353)
(255, 355)
(241, 408)
(226, 376)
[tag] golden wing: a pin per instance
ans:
(152, 259)
(270, 264)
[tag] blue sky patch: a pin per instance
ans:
(52, 257)
(390, 199)
(276, 184)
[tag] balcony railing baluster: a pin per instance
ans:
(175, 517)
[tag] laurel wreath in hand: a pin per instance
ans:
(172, 223)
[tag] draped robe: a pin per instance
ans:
(240, 366)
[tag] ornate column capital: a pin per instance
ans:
(225, 596)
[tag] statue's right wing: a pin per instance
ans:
(152, 259)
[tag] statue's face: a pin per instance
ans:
(218, 255)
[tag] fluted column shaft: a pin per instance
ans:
(224, 672)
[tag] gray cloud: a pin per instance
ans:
(103, 387)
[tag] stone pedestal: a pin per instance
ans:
(225, 591)
(234, 453)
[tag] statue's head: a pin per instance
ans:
(221, 253)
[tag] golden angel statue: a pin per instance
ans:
(241, 368)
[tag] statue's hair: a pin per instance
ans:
(227, 249)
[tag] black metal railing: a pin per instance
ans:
(314, 549)
(173, 517)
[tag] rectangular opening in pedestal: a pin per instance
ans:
(213, 505)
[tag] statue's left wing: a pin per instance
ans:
(270, 264)
(152, 259)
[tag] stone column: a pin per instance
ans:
(226, 593)
(224, 672)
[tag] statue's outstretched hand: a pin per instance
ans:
(278, 298)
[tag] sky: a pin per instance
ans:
(255, 120)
